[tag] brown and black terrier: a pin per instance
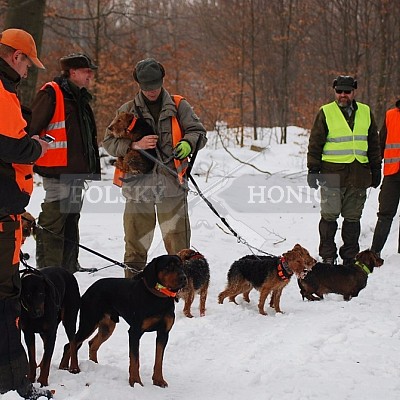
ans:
(197, 272)
(134, 161)
(267, 274)
(347, 280)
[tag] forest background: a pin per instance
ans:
(254, 63)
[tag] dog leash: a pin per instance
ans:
(197, 192)
(29, 270)
(96, 253)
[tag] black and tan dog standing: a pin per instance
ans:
(48, 296)
(347, 280)
(146, 302)
(267, 274)
(197, 272)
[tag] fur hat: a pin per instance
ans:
(23, 41)
(149, 74)
(344, 83)
(76, 61)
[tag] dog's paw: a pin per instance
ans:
(74, 370)
(132, 381)
(160, 382)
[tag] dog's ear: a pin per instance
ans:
(150, 272)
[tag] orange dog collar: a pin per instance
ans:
(162, 289)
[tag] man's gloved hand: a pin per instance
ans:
(182, 150)
(312, 178)
(376, 178)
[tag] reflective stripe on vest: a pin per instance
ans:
(56, 155)
(344, 145)
(180, 165)
(13, 125)
(392, 148)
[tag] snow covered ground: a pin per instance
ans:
(328, 350)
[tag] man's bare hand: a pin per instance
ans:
(147, 142)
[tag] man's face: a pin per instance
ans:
(81, 77)
(21, 63)
(152, 95)
(344, 97)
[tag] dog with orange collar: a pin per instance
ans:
(146, 302)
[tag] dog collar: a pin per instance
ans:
(197, 256)
(284, 272)
(363, 267)
(162, 289)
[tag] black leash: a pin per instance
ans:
(96, 253)
(198, 191)
(223, 220)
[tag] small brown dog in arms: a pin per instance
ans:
(197, 272)
(133, 162)
(267, 274)
(347, 280)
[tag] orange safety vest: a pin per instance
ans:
(392, 146)
(177, 135)
(13, 125)
(56, 155)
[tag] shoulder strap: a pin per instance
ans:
(177, 99)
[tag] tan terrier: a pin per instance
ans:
(134, 161)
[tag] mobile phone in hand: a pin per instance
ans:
(47, 138)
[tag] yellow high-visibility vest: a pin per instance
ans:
(344, 145)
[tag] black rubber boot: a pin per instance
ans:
(327, 246)
(350, 235)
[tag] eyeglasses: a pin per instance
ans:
(343, 91)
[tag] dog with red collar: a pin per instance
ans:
(267, 274)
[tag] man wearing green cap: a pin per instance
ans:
(62, 109)
(161, 194)
(18, 151)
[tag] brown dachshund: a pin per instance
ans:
(198, 275)
(267, 274)
(347, 280)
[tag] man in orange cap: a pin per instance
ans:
(18, 152)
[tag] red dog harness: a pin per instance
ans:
(284, 272)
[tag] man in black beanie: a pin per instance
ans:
(344, 159)
(162, 193)
(61, 109)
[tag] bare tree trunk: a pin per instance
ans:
(29, 16)
(381, 101)
(253, 70)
